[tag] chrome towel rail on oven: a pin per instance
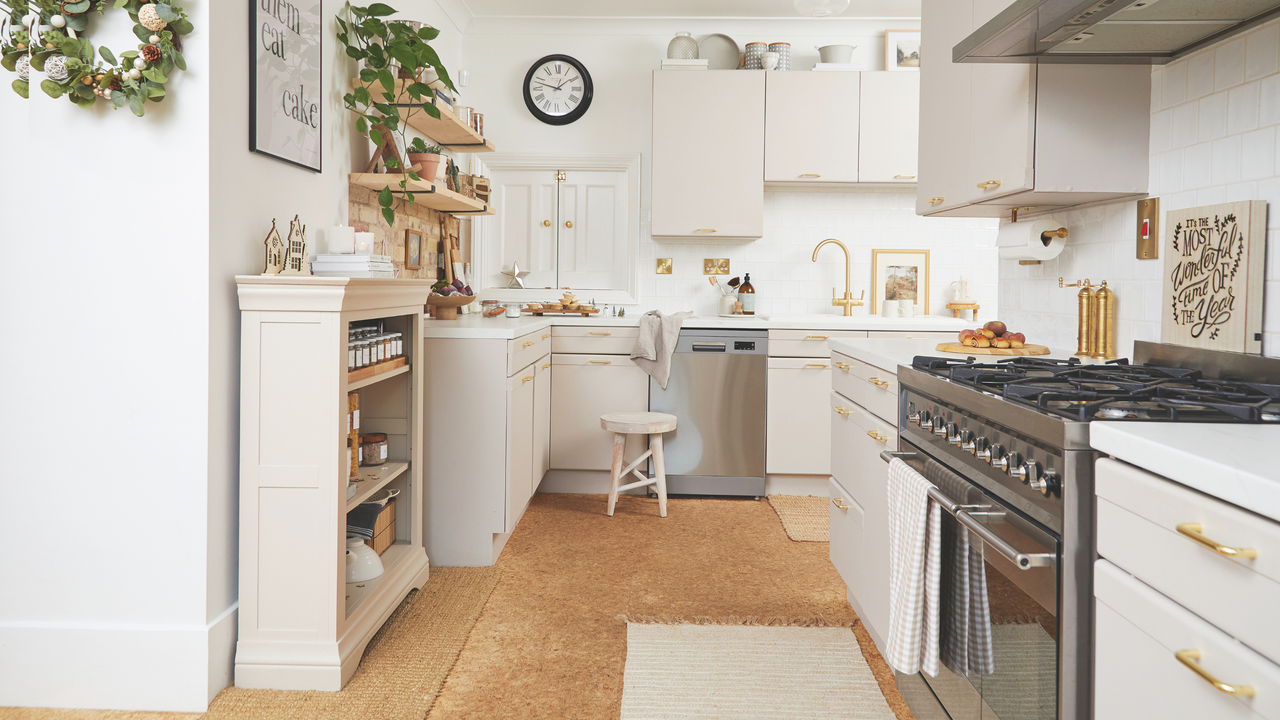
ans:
(1024, 561)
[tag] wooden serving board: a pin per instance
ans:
(546, 311)
(955, 347)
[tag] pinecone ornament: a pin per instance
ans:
(150, 53)
(150, 19)
(55, 68)
(24, 68)
(116, 83)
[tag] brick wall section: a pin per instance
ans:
(364, 214)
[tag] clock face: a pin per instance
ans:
(557, 90)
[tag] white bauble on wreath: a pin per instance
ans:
(24, 68)
(55, 68)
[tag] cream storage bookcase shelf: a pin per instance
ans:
(301, 626)
(448, 131)
(429, 194)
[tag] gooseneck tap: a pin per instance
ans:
(847, 302)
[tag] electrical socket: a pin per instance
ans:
(664, 266)
(715, 266)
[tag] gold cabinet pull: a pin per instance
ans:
(527, 343)
(525, 379)
(816, 337)
(837, 501)
(1194, 530)
(568, 223)
(592, 332)
(546, 223)
(878, 382)
(810, 174)
(821, 365)
(841, 410)
(877, 436)
(935, 200)
(546, 335)
(600, 362)
(843, 366)
(904, 177)
(1189, 658)
(989, 184)
(546, 366)
(705, 230)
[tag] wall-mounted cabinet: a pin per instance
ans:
(811, 127)
(995, 136)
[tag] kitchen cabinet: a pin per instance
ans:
(541, 420)
(888, 126)
(708, 155)
(797, 433)
(520, 452)
(811, 126)
(997, 136)
(584, 387)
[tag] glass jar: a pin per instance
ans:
(362, 350)
(387, 354)
(397, 344)
(351, 354)
(373, 448)
(682, 47)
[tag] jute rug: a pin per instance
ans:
(399, 677)
(806, 519)
(674, 672)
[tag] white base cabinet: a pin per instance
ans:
(584, 387)
(797, 433)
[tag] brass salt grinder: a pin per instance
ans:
(1096, 320)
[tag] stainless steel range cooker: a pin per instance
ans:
(1007, 446)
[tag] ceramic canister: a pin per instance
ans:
(754, 51)
(784, 54)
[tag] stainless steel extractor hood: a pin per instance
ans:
(1109, 31)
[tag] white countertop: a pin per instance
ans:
(1233, 462)
(478, 326)
(888, 353)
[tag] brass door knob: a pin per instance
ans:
(568, 223)
(546, 223)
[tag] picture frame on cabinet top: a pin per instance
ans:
(902, 50)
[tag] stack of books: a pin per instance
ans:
(685, 64)
(337, 265)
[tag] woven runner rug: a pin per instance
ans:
(806, 519)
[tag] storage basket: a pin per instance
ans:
(384, 529)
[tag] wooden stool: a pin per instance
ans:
(640, 423)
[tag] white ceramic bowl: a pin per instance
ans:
(836, 53)
(363, 563)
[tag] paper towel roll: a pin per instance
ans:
(1023, 241)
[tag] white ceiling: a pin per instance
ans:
(679, 8)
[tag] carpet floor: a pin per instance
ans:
(552, 641)
(806, 519)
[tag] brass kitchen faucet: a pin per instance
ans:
(847, 302)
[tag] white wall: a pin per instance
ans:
(1214, 122)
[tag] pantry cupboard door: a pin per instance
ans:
(525, 230)
(811, 127)
(592, 251)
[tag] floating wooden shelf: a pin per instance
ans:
(429, 194)
(373, 478)
(367, 376)
(448, 131)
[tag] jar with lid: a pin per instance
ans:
(385, 340)
(362, 346)
(373, 448)
(351, 355)
(397, 344)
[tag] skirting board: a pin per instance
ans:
(597, 482)
(857, 609)
(802, 485)
(162, 668)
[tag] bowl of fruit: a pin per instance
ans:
(994, 338)
(446, 298)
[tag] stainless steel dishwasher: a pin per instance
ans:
(717, 391)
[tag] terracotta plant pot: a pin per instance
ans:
(430, 164)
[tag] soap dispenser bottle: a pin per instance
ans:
(747, 295)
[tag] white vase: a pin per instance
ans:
(682, 47)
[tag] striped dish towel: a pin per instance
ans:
(915, 552)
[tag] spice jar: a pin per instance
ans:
(373, 448)
(397, 344)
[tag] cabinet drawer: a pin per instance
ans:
(857, 437)
(1138, 518)
(527, 348)
(846, 531)
(867, 385)
(594, 340)
(806, 343)
(1138, 675)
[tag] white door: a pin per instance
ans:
(541, 419)
(889, 129)
(708, 154)
(811, 126)
(797, 431)
(583, 388)
(526, 228)
(592, 231)
(519, 444)
(944, 107)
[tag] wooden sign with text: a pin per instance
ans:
(1215, 260)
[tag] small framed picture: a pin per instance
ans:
(412, 250)
(901, 49)
(901, 276)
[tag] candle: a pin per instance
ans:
(364, 243)
(342, 239)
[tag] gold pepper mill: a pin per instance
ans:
(1096, 321)
(1087, 302)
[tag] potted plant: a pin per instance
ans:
(428, 156)
(390, 48)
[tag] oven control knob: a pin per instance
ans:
(953, 433)
(1030, 472)
(965, 440)
(981, 448)
(1011, 463)
(1047, 483)
(995, 455)
(940, 426)
(925, 419)
(912, 415)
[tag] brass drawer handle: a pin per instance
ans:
(843, 366)
(1189, 658)
(546, 335)
(935, 200)
(527, 343)
(989, 184)
(821, 365)
(841, 410)
(877, 436)
(600, 362)
(546, 366)
(810, 174)
(589, 332)
(1193, 530)
(525, 379)
(837, 501)
(705, 230)
(878, 382)
(904, 177)
(816, 337)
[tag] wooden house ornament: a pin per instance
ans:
(296, 260)
(274, 251)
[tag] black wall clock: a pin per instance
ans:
(557, 90)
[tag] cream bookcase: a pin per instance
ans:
(301, 626)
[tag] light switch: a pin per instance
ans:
(1149, 229)
(715, 266)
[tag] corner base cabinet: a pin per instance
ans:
(301, 625)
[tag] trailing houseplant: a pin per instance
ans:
(390, 48)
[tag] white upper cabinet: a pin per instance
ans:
(996, 136)
(708, 154)
(811, 127)
(889, 126)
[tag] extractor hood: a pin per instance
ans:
(1109, 31)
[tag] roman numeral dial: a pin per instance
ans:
(557, 90)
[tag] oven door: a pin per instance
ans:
(999, 607)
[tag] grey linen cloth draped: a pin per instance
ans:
(658, 336)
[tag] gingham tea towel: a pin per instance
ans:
(915, 551)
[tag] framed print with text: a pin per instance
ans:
(285, 80)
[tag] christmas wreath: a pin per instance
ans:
(49, 36)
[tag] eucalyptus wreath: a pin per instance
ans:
(50, 36)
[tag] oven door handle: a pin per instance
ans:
(1023, 561)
